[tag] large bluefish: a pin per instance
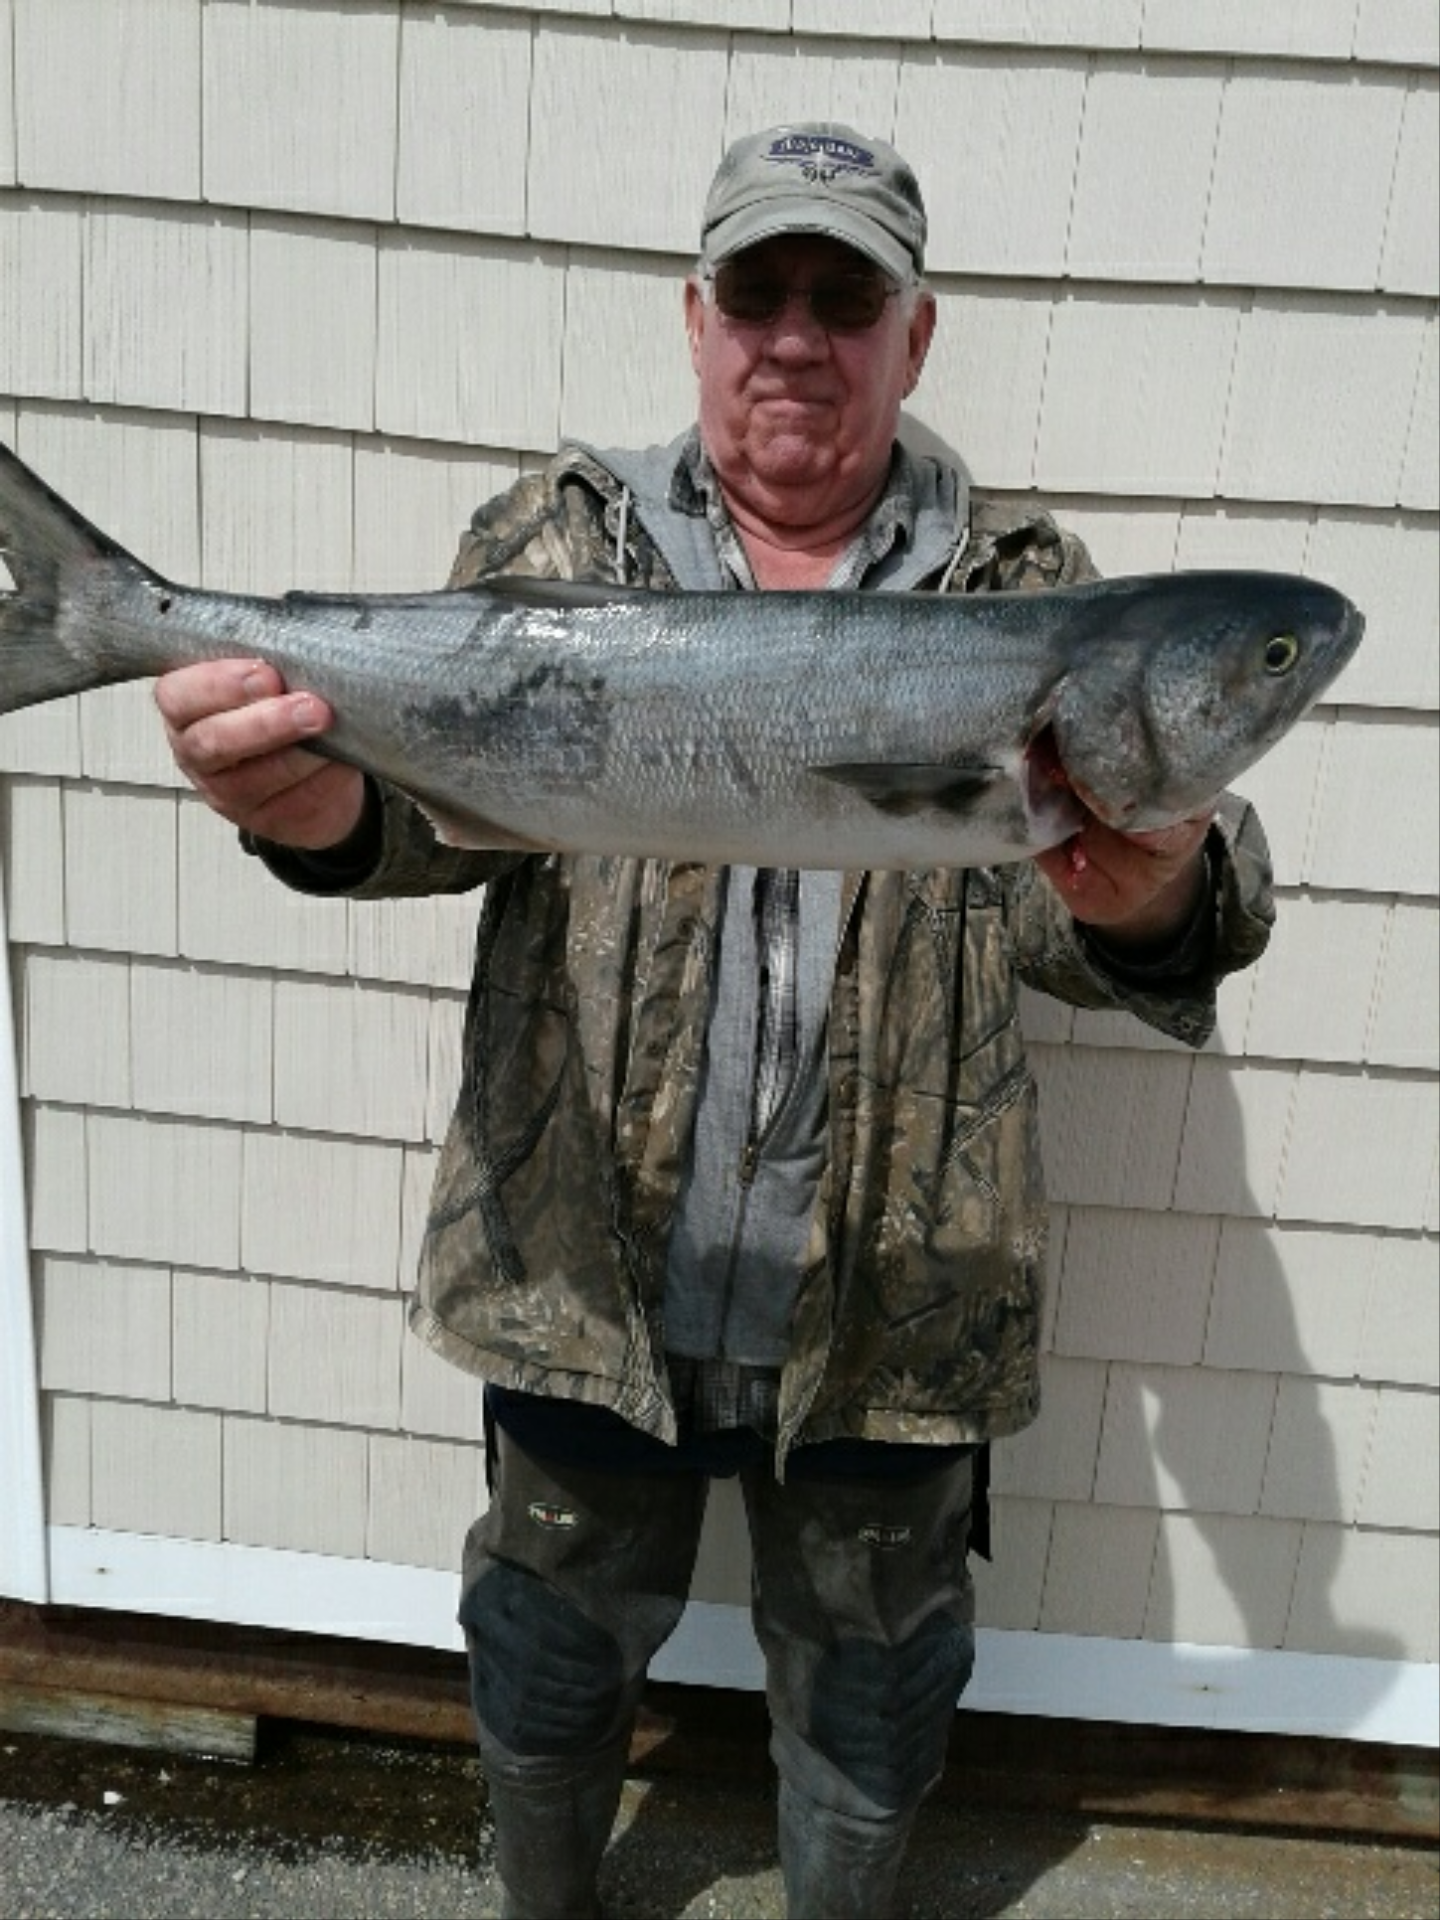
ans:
(795, 729)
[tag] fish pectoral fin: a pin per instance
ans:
(900, 789)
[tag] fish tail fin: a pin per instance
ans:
(60, 566)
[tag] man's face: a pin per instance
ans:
(799, 419)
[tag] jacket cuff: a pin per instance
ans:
(337, 869)
(1187, 953)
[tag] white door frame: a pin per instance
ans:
(24, 1568)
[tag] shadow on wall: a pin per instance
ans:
(1264, 1440)
(1220, 1502)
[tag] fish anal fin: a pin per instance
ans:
(901, 789)
(470, 830)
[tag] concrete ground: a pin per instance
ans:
(337, 1826)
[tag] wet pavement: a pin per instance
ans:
(334, 1825)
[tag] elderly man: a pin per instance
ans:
(743, 1175)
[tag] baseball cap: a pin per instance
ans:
(816, 176)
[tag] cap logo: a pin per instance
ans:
(821, 158)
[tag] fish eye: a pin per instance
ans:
(1282, 650)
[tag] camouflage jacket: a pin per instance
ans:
(918, 1313)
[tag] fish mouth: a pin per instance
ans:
(1054, 803)
(1053, 789)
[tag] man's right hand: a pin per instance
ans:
(239, 739)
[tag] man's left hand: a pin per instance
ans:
(1142, 888)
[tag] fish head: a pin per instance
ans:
(1182, 681)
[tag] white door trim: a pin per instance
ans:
(22, 1530)
(1060, 1676)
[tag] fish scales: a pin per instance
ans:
(811, 729)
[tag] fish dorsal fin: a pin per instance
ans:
(518, 589)
(904, 789)
(545, 595)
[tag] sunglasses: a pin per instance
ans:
(841, 303)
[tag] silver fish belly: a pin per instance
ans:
(794, 729)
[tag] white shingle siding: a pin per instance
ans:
(1222, 1579)
(1322, 29)
(1366, 361)
(57, 1177)
(1411, 259)
(436, 1398)
(649, 389)
(470, 337)
(312, 322)
(288, 1484)
(351, 1049)
(300, 106)
(1145, 222)
(1008, 1588)
(1136, 1286)
(1340, 1571)
(220, 1042)
(1290, 1299)
(1420, 476)
(850, 80)
(639, 193)
(1401, 1336)
(104, 1328)
(412, 498)
(1283, 131)
(120, 869)
(1097, 1571)
(1407, 31)
(1082, 23)
(1054, 1459)
(108, 93)
(163, 1189)
(155, 1469)
(359, 1335)
(75, 1028)
(41, 314)
(323, 1209)
(464, 128)
(286, 290)
(993, 132)
(186, 350)
(67, 1459)
(277, 505)
(7, 98)
(220, 1338)
(231, 910)
(423, 1495)
(34, 862)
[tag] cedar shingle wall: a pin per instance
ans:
(286, 288)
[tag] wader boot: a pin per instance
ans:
(572, 1579)
(838, 1866)
(863, 1609)
(552, 1823)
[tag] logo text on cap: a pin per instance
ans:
(821, 157)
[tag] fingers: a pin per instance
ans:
(239, 737)
(1138, 882)
(188, 694)
(1177, 841)
(224, 712)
